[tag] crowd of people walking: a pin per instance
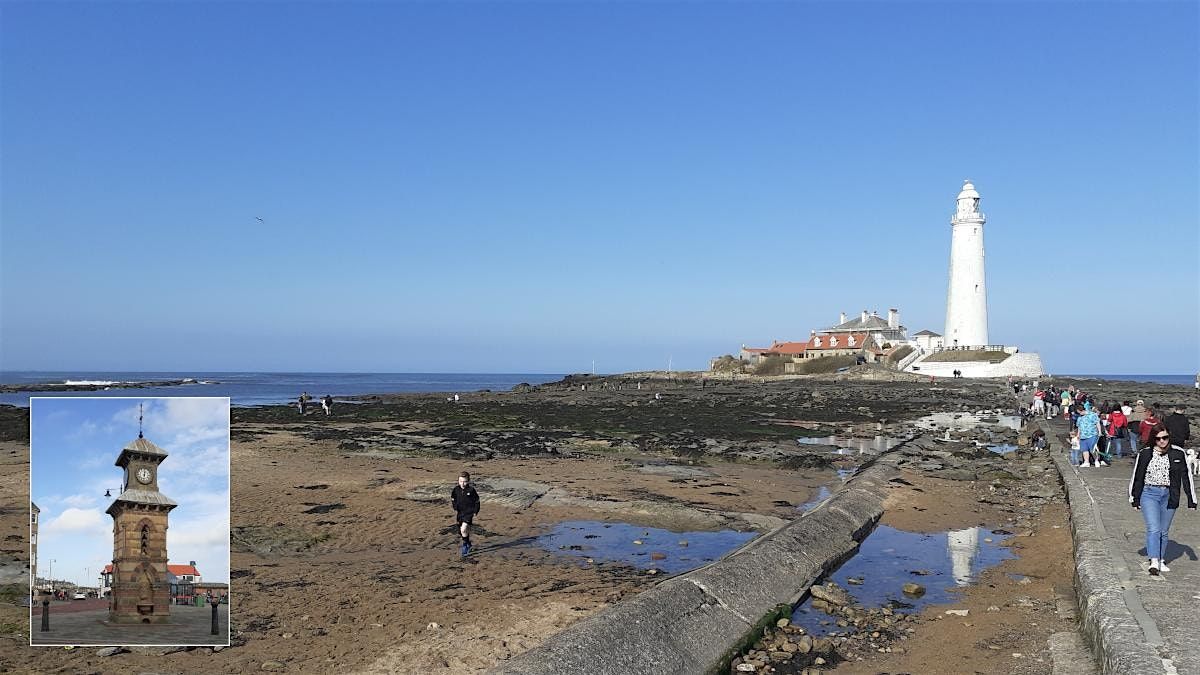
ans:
(1164, 468)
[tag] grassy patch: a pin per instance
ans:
(898, 355)
(961, 355)
(825, 364)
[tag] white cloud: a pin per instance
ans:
(206, 462)
(80, 501)
(176, 414)
(84, 430)
(204, 539)
(78, 520)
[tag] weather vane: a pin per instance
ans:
(139, 420)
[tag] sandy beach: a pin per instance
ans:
(345, 557)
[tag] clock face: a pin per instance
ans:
(143, 475)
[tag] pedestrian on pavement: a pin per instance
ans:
(1147, 425)
(1177, 424)
(1088, 425)
(1159, 476)
(465, 500)
(1116, 431)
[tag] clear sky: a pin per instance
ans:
(74, 444)
(526, 187)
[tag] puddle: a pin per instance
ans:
(966, 421)
(811, 504)
(1003, 448)
(848, 445)
(671, 552)
(889, 558)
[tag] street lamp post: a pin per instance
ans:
(51, 575)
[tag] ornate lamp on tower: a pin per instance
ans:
(139, 589)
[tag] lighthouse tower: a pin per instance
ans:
(966, 299)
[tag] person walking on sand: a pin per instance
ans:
(1159, 476)
(466, 506)
(327, 405)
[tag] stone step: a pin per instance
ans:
(1070, 656)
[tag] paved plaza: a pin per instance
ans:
(188, 626)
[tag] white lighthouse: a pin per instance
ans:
(966, 299)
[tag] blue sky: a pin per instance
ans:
(525, 187)
(74, 444)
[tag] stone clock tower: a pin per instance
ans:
(139, 588)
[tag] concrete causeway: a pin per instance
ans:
(1134, 623)
(694, 623)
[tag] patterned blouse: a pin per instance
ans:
(1158, 471)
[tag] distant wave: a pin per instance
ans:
(94, 383)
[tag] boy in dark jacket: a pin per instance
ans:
(466, 505)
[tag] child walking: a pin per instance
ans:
(466, 505)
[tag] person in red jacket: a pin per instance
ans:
(1147, 426)
(1116, 431)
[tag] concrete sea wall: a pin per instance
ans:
(694, 623)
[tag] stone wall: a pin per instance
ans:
(695, 623)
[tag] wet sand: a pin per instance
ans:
(369, 578)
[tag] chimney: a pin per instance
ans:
(874, 313)
(813, 333)
(864, 316)
(893, 318)
(841, 318)
(192, 563)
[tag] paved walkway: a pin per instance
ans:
(189, 626)
(1136, 623)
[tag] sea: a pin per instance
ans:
(1181, 380)
(254, 389)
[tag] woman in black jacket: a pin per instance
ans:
(1159, 475)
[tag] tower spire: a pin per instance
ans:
(139, 420)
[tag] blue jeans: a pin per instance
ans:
(1158, 519)
(1114, 445)
(1134, 439)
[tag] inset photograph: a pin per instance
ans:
(129, 521)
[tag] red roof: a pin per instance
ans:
(177, 570)
(787, 348)
(860, 339)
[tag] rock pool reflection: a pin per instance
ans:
(849, 445)
(889, 558)
(641, 547)
(965, 421)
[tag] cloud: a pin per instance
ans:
(178, 414)
(208, 461)
(78, 520)
(84, 430)
(204, 539)
(79, 501)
